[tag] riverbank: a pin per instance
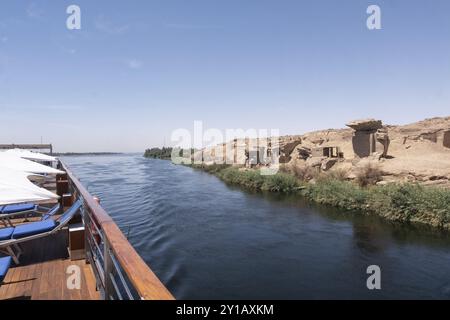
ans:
(402, 202)
(157, 153)
(70, 154)
(184, 216)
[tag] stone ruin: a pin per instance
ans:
(369, 138)
(446, 139)
(327, 152)
(246, 152)
(439, 136)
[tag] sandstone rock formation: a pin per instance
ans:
(369, 137)
(365, 125)
(418, 152)
(382, 142)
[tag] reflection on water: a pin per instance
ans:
(207, 240)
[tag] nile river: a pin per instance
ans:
(207, 240)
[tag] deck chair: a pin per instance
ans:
(5, 263)
(11, 237)
(10, 211)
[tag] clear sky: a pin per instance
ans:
(137, 70)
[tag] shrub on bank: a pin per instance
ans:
(280, 182)
(303, 173)
(369, 175)
(399, 202)
(252, 179)
(412, 203)
(343, 194)
(212, 168)
(332, 175)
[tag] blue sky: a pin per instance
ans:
(137, 70)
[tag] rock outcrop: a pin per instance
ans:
(418, 152)
(369, 137)
(365, 125)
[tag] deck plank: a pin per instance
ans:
(41, 274)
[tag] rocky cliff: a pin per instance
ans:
(417, 152)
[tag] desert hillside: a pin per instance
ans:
(417, 152)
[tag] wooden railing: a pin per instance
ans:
(120, 271)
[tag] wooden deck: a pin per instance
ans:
(41, 274)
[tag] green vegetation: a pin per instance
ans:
(157, 153)
(405, 202)
(166, 153)
(213, 168)
(252, 179)
(397, 202)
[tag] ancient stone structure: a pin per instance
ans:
(328, 163)
(256, 156)
(446, 139)
(328, 152)
(439, 136)
(304, 153)
(286, 147)
(369, 137)
(382, 143)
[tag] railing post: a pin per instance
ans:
(87, 225)
(120, 272)
(108, 268)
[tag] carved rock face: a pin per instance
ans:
(304, 153)
(383, 141)
(365, 125)
(446, 139)
(362, 143)
(369, 137)
(327, 164)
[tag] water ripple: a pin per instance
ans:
(207, 240)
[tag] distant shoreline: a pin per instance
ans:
(157, 153)
(58, 154)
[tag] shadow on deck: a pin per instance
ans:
(41, 274)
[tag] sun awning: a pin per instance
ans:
(16, 188)
(14, 162)
(26, 154)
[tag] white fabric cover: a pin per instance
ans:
(16, 188)
(14, 162)
(26, 154)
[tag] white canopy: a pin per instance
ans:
(14, 162)
(26, 154)
(16, 188)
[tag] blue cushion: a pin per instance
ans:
(70, 213)
(13, 208)
(51, 212)
(30, 229)
(5, 233)
(5, 263)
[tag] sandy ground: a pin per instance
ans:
(417, 151)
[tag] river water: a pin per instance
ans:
(207, 240)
